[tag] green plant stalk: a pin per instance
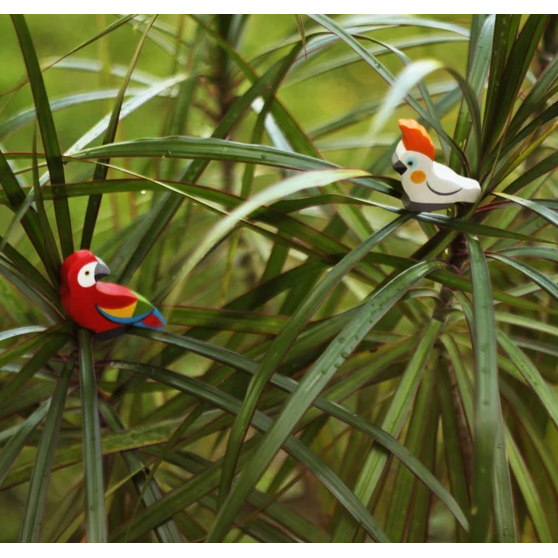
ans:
(92, 453)
(487, 407)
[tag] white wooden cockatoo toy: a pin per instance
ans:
(428, 185)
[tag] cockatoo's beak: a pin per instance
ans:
(399, 167)
(101, 269)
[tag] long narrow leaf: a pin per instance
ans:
(38, 486)
(92, 454)
(48, 133)
(487, 408)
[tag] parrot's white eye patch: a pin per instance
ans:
(86, 275)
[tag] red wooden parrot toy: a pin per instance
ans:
(105, 308)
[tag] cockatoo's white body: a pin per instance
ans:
(428, 185)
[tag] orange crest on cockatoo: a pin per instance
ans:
(416, 138)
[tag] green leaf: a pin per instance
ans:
(229, 320)
(15, 198)
(48, 133)
(424, 415)
(531, 375)
(216, 149)
(505, 31)
(536, 276)
(38, 487)
(543, 167)
(457, 442)
(28, 115)
(410, 76)
(487, 406)
(50, 343)
(14, 446)
(528, 489)
(532, 251)
(521, 50)
(94, 203)
(504, 516)
(16, 332)
(549, 215)
(92, 454)
(537, 96)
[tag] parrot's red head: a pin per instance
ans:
(416, 138)
(81, 270)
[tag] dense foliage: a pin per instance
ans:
(335, 368)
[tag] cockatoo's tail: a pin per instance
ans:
(105, 308)
(428, 185)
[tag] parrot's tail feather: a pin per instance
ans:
(155, 320)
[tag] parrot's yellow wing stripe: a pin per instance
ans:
(124, 312)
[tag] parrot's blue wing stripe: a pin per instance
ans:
(118, 320)
(141, 324)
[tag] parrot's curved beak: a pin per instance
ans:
(101, 269)
(399, 167)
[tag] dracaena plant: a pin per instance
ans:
(336, 368)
